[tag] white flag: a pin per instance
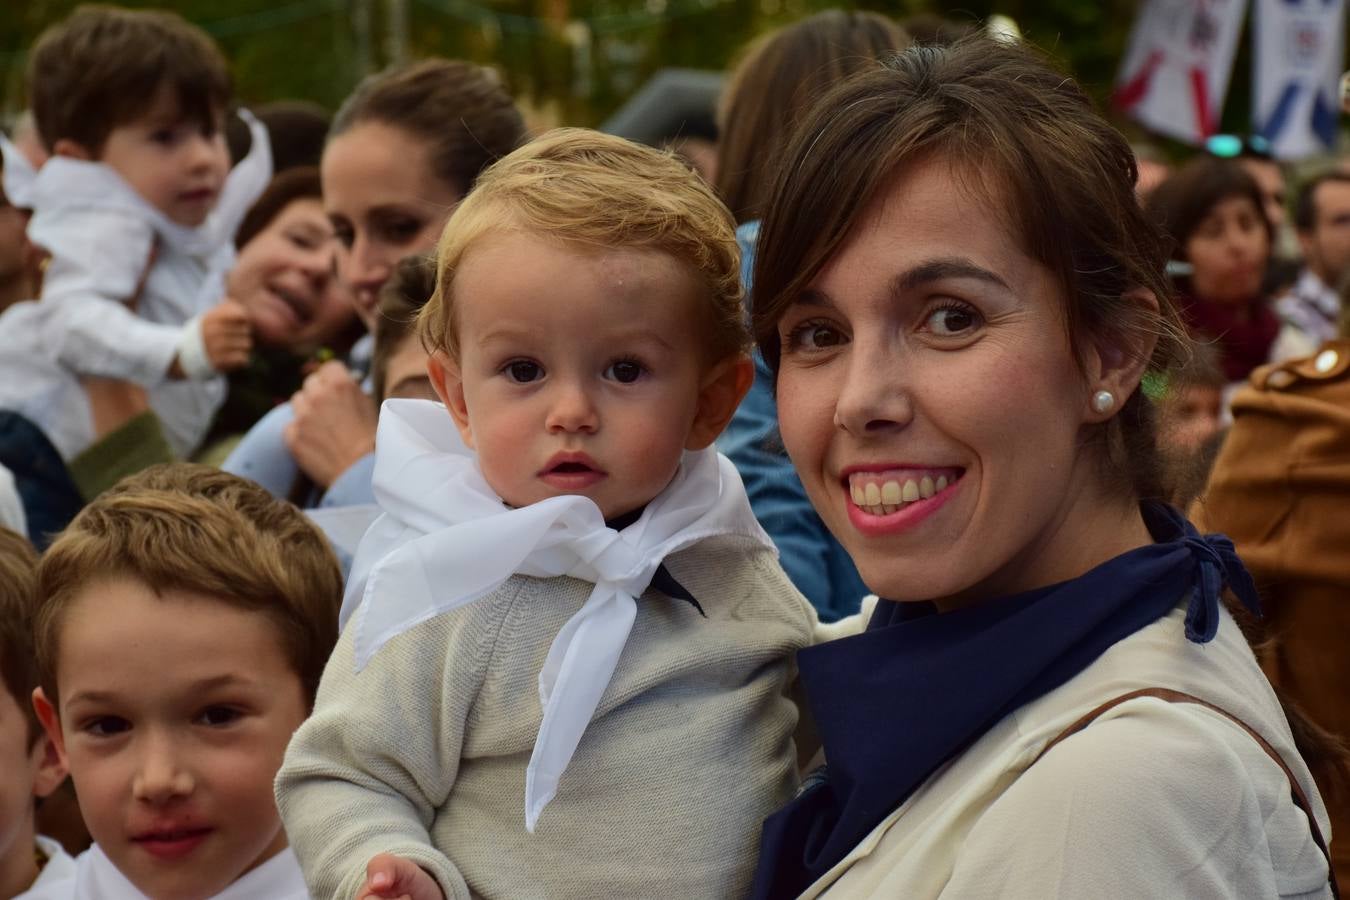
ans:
(1299, 48)
(1176, 69)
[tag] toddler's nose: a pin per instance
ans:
(573, 411)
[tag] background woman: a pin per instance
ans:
(770, 89)
(1214, 213)
(404, 148)
(960, 295)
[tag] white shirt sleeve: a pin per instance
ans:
(98, 260)
(1159, 800)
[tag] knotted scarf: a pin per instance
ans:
(445, 539)
(917, 688)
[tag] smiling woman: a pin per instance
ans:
(958, 339)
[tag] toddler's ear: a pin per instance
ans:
(67, 147)
(718, 396)
(51, 723)
(446, 382)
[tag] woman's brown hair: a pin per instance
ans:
(775, 83)
(1025, 136)
(459, 109)
(1182, 202)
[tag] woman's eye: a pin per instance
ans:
(400, 231)
(813, 336)
(949, 321)
(106, 726)
(304, 241)
(522, 371)
(625, 371)
(217, 716)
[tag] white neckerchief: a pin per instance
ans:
(19, 175)
(67, 183)
(446, 539)
(277, 879)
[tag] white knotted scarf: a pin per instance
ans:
(446, 539)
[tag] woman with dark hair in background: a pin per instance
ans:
(404, 148)
(1213, 212)
(780, 76)
(959, 295)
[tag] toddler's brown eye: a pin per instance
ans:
(523, 371)
(625, 371)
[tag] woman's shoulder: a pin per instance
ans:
(1154, 798)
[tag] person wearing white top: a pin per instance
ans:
(56, 878)
(92, 876)
(139, 220)
(959, 296)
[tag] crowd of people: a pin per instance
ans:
(933, 494)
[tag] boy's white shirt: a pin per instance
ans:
(101, 234)
(94, 877)
(56, 881)
(445, 539)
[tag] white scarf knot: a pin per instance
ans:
(446, 539)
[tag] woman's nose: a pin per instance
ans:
(873, 394)
(572, 410)
(363, 266)
(160, 774)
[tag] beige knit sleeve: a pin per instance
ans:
(370, 768)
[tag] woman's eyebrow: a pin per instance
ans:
(941, 269)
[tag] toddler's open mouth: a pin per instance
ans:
(571, 471)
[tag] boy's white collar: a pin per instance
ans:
(446, 539)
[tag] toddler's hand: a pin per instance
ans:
(228, 336)
(390, 877)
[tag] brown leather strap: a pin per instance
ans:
(1296, 790)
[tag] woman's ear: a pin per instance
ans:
(721, 392)
(68, 148)
(449, 386)
(1119, 359)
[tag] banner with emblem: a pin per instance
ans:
(1176, 69)
(1298, 52)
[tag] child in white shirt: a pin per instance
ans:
(138, 208)
(185, 620)
(569, 643)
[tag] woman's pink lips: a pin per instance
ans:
(173, 845)
(900, 520)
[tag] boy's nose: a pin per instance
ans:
(572, 411)
(160, 775)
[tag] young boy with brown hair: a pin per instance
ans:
(137, 207)
(29, 765)
(569, 643)
(185, 621)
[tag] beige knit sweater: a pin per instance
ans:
(423, 753)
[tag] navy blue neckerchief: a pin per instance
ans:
(662, 580)
(917, 688)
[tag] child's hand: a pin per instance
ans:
(390, 877)
(228, 336)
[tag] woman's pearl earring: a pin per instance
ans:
(1103, 401)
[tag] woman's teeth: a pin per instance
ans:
(886, 497)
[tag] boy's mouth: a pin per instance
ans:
(172, 843)
(570, 471)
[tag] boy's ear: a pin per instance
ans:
(718, 396)
(449, 386)
(67, 147)
(51, 766)
(1119, 360)
(51, 723)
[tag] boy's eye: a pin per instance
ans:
(522, 371)
(218, 715)
(625, 371)
(163, 135)
(106, 726)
